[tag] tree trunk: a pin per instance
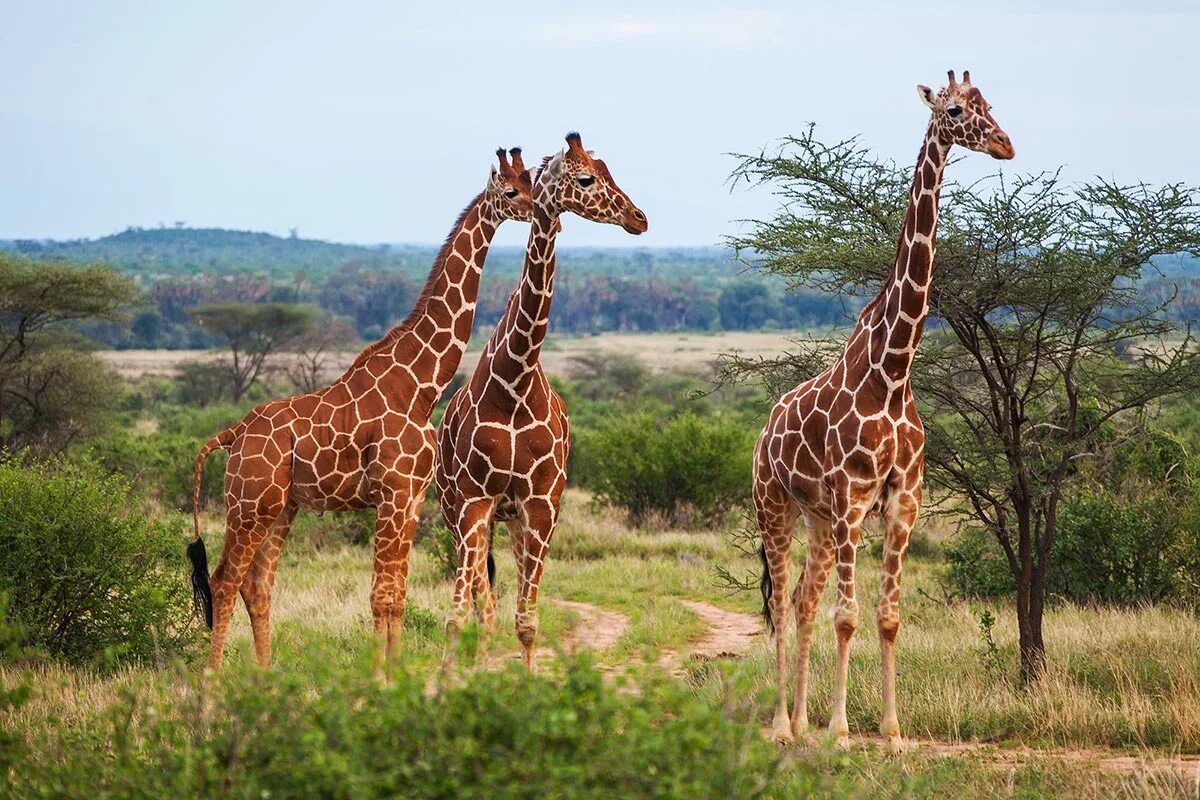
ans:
(1031, 602)
(1031, 596)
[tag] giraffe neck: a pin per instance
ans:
(516, 344)
(431, 341)
(903, 303)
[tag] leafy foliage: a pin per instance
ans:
(1132, 538)
(90, 580)
(499, 735)
(51, 391)
(687, 470)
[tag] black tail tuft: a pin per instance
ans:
(491, 562)
(766, 588)
(201, 591)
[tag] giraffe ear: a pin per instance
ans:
(493, 175)
(927, 95)
(554, 168)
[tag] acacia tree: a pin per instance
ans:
(1039, 344)
(252, 332)
(51, 389)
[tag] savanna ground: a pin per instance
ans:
(680, 352)
(1117, 714)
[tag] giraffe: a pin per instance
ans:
(849, 442)
(364, 441)
(503, 442)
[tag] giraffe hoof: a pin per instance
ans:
(782, 733)
(895, 745)
(839, 735)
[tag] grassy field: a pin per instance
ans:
(1121, 700)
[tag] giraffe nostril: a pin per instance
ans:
(639, 216)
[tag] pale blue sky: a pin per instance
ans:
(370, 122)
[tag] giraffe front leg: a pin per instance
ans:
(469, 527)
(846, 532)
(900, 516)
(259, 582)
(537, 518)
(393, 544)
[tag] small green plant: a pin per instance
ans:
(990, 655)
(440, 544)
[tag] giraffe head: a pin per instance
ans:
(510, 189)
(963, 117)
(574, 181)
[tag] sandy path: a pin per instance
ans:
(597, 628)
(730, 634)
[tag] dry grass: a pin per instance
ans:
(678, 352)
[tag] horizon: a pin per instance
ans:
(376, 124)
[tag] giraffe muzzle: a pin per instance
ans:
(635, 222)
(1000, 146)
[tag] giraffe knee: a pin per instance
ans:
(845, 622)
(527, 628)
(382, 603)
(888, 622)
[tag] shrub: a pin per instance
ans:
(511, 735)
(89, 579)
(1108, 550)
(687, 469)
(161, 465)
(340, 529)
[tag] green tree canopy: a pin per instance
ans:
(50, 391)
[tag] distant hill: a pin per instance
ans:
(155, 253)
(159, 252)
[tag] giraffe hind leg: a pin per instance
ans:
(244, 535)
(776, 513)
(818, 558)
(900, 514)
(260, 579)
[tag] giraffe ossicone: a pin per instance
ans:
(503, 442)
(849, 442)
(365, 441)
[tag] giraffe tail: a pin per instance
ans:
(766, 588)
(201, 591)
(491, 562)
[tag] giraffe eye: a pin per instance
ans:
(954, 111)
(511, 193)
(586, 180)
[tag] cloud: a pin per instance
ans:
(731, 29)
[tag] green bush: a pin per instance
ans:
(506, 735)
(1108, 550)
(161, 465)
(338, 529)
(689, 470)
(90, 580)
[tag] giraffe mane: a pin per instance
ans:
(545, 163)
(427, 291)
